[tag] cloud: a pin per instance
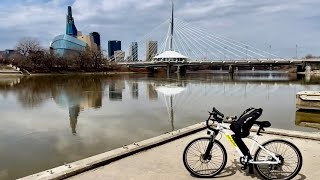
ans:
(280, 23)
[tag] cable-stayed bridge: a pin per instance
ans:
(196, 44)
(178, 43)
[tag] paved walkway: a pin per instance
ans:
(165, 162)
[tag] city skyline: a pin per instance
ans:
(280, 25)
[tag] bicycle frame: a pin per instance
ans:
(224, 128)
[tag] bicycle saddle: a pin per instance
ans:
(263, 124)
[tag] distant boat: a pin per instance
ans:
(308, 100)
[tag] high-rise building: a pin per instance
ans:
(133, 52)
(71, 29)
(96, 39)
(113, 46)
(151, 50)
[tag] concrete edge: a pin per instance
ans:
(80, 166)
(90, 163)
(290, 133)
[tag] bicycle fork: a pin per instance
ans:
(207, 155)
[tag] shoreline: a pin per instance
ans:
(134, 72)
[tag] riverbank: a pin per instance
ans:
(164, 161)
(116, 69)
(7, 70)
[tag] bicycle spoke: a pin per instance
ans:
(194, 158)
(287, 153)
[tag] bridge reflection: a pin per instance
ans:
(169, 91)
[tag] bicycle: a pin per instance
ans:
(207, 157)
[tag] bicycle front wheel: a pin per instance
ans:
(289, 155)
(197, 165)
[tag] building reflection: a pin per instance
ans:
(115, 90)
(151, 92)
(74, 112)
(78, 95)
(135, 90)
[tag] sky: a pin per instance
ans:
(281, 24)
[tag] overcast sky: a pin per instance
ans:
(279, 23)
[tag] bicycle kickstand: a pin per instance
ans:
(251, 168)
(246, 165)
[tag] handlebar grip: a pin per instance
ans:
(218, 112)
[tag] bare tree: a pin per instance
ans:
(96, 56)
(27, 46)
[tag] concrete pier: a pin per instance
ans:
(165, 161)
(308, 100)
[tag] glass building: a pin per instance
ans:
(72, 41)
(71, 29)
(113, 46)
(65, 44)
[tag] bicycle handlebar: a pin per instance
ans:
(215, 113)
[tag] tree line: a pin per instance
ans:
(31, 56)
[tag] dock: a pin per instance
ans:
(161, 158)
(308, 100)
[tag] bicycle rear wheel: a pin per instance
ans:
(193, 158)
(289, 155)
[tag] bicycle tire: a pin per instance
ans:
(200, 144)
(280, 152)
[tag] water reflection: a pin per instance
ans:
(115, 90)
(76, 94)
(169, 91)
(152, 93)
(135, 90)
(67, 118)
(308, 118)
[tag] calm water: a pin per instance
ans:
(49, 120)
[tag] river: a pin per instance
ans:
(46, 121)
